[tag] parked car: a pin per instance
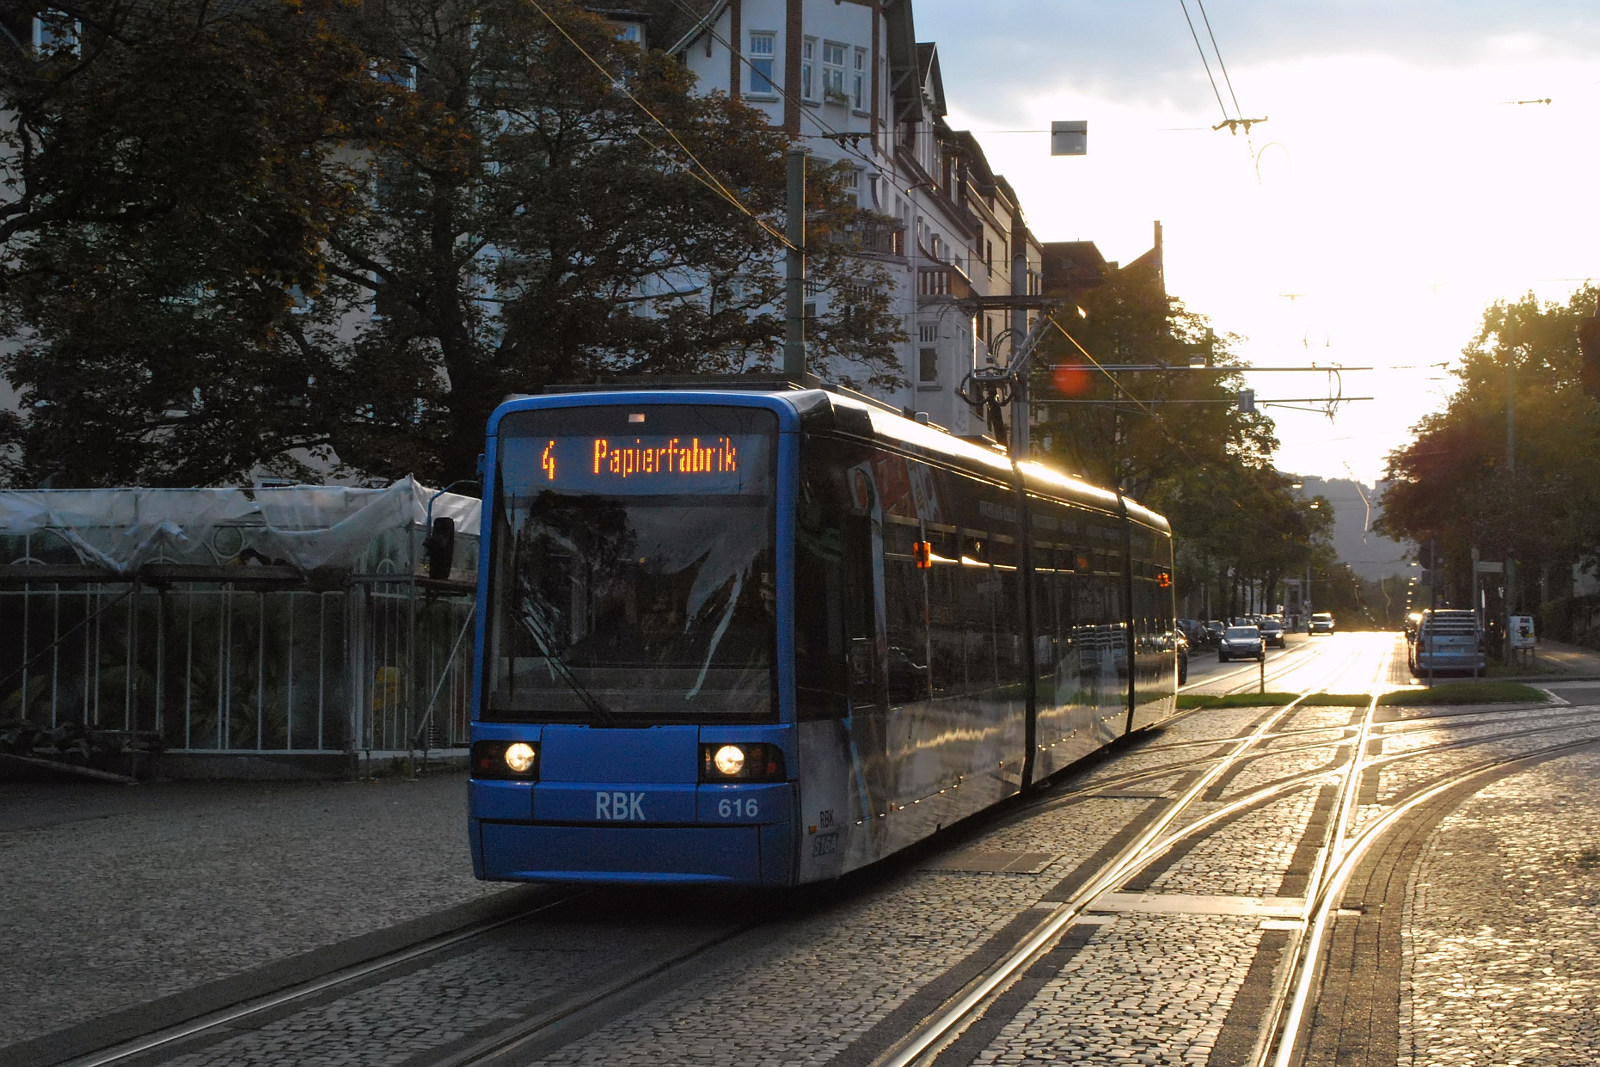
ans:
(1447, 640)
(1413, 620)
(1272, 631)
(1241, 642)
(1321, 623)
(1177, 641)
(1214, 630)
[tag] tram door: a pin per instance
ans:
(840, 665)
(869, 678)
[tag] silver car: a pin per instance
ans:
(1241, 642)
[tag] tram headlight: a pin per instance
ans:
(520, 757)
(740, 762)
(728, 760)
(516, 760)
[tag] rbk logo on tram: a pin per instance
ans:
(619, 807)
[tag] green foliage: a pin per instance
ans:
(1174, 439)
(315, 235)
(1141, 430)
(168, 193)
(1465, 693)
(1453, 485)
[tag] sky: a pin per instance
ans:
(1397, 189)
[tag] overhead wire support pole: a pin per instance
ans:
(794, 334)
(989, 390)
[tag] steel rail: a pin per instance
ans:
(272, 1001)
(1305, 969)
(925, 1043)
(1139, 853)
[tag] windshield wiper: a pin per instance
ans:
(541, 636)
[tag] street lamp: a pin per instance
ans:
(1305, 594)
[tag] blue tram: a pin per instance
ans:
(769, 637)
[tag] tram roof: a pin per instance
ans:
(814, 404)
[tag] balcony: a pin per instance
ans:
(875, 235)
(943, 281)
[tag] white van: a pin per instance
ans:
(1447, 640)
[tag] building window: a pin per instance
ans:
(632, 32)
(55, 31)
(927, 366)
(833, 70)
(808, 69)
(399, 72)
(852, 185)
(858, 84)
(763, 49)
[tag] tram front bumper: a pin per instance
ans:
(662, 854)
(571, 832)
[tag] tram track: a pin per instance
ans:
(1343, 846)
(221, 1022)
(203, 1039)
(1209, 799)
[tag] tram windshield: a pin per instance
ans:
(632, 565)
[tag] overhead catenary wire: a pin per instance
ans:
(1237, 110)
(1234, 121)
(1172, 439)
(1203, 60)
(705, 175)
(828, 130)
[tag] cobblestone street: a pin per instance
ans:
(126, 896)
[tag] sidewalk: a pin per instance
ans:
(117, 896)
(1553, 660)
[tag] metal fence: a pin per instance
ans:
(217, 667)
(301, 619)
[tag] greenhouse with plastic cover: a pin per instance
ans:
(273, 631)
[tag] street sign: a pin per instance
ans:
(1069, 138)
(1522, 633)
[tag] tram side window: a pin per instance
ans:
(906, 606)
(826, 565)
(946, 623)
(990, 612)
(1047, 590)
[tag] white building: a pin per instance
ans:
(848, 79)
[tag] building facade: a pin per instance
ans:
(849, 80)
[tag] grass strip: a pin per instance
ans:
(1448, 693)
(1465, 693)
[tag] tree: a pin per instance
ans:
(1176, 439)
(558, 206)
(169, 176)
(1140, 430)
(1453, 484)
(359, 234)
